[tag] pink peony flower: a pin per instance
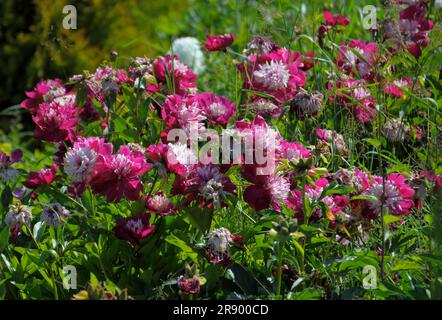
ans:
(41, 178)
(218, 110)
(205, 183)
(218, 42)
(336, 203)
(362, 65)
(395, 88)
(55, 121)
(44, 91)
(176, 157)
(134, 229)
(182, 79)
(182, 112)
(160, 204)
(278, 73)
(393, 195)
(356, 97)
(293, 150)
(117, 175)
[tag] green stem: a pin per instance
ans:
(279, 271)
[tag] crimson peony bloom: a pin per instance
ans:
(218, 42)
(55, 121)
(117, 176)
(41, 178)
(334, 19)
(44, 91)
(411, 30)
(134, 229)
(268, 191)
(182, 79)
(362, 66)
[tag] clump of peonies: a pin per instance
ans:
(218, 42)
(354, 95)
(7, 173)
(44, 91)
(219, 244)
(359, 59)
(134, 229)
(56, 121)
(54, 214)
(176, 73)
(279, 73)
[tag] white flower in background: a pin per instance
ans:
(188, 49)
(54, 214)
(18, 216)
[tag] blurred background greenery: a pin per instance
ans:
(34, 45)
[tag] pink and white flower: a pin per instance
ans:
(278, 73)
(118, 175)
(44, 91)
(55, 121)
(393, 195)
